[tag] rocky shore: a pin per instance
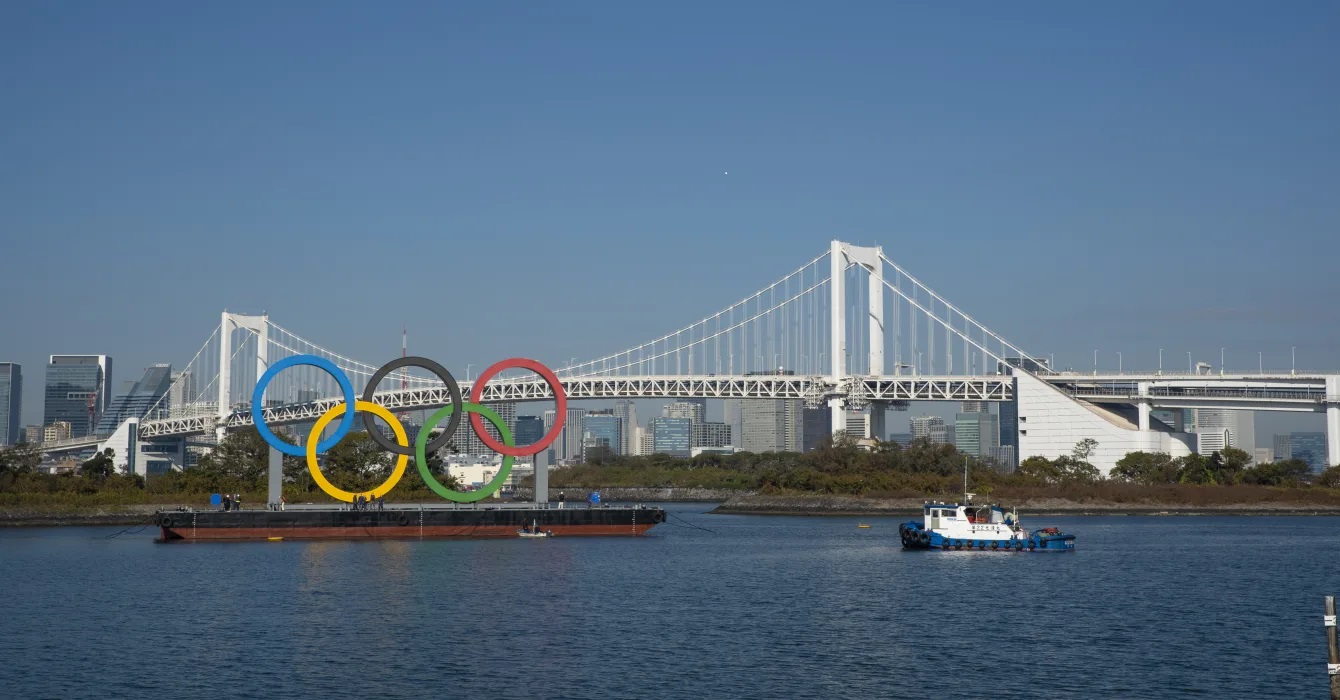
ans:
(763, 504)
(18, 516)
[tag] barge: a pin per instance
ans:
(331, 523)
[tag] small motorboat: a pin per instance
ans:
(862, 525)
(533, 530)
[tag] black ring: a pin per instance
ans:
(453, 423)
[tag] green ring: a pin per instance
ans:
(421, 458)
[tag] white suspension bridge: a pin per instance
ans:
(850, 330)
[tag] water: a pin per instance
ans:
(764, 607)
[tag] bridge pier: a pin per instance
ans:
(1144, 406)
(1332, 421)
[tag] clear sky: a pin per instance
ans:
(547, 179)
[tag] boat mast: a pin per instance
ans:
(967, 497)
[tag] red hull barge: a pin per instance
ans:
(187, 526)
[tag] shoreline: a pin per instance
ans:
(849, 506)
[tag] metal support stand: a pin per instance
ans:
(541, 482)
(1333, 648)
(276, 478)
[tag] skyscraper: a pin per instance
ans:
(1241, 427)
(182, 394)
(975, 407)
(816, 424)
(1309, 447)
(148, 393)
(977, 434)
(602, 429)
(77, 390)
(923, 426)
(468, 441)
(671, 436)
(1283, 449)
(529, 430)
(572, 434)
(626, 410)
(11, 403)
(771, 425)
(692, 410)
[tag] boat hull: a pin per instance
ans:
(914, 536)
(188, 526)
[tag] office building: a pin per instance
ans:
(602, 429)
(671, 436)
(1283, 447)
(1309, 447)
(1171, 417)
(32, 434)
(903, 439)
(730, 410)
(468, 441)
(712, 434)
(626, 410)
(858, 424)
(771, 425)
(645, 445)
(695, 411)
(924, 426)
(147, 394)
(939, 434)
(571, 437)
(977, 434)
(975, 407)
(55, 432)
(182, 395)
(529, 430)
(77, 389)
(816, 426)
(1240, 426)
(1262, 455)
(1006, 458)
(11, 403)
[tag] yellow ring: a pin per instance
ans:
(325, 419)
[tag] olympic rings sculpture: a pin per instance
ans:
(422, 446)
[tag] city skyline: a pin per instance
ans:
(873, 133)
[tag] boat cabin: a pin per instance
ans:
(945, 517)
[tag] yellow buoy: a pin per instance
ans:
(275, 539)
(862, 525)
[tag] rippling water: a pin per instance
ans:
(762, 607)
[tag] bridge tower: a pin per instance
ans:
(260, 325)
(840, 256)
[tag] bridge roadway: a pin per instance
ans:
(1274, 392)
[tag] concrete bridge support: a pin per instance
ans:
(1332, 421)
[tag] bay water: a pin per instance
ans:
(707, 606)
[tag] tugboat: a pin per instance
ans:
(955, 526)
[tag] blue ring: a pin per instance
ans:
(258, 413)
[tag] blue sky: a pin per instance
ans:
(547, 179)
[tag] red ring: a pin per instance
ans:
(560, 407)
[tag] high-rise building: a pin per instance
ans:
(602, 429)
(714, 435)
(816, 424)
(858, 424)
(903, 439)
(1171, 417)
(730, 409)
(55, 432)
(977, 434)
(1283, 447)
(145, 395)
(1262, 455)
(468, 441)
(572, 435)
(529, 430)
(1309, 447)
(671, 436)
(695, 411)
(32, 434)
(771, 425)
(923, 426)
(939, 434)
(645, 440)
(182, 394)
(975, 407)
(77, 388)
(1240, 425)
(626, 410)
(11, 402)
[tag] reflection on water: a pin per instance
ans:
(764, 607)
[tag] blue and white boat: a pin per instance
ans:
(958, 526)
